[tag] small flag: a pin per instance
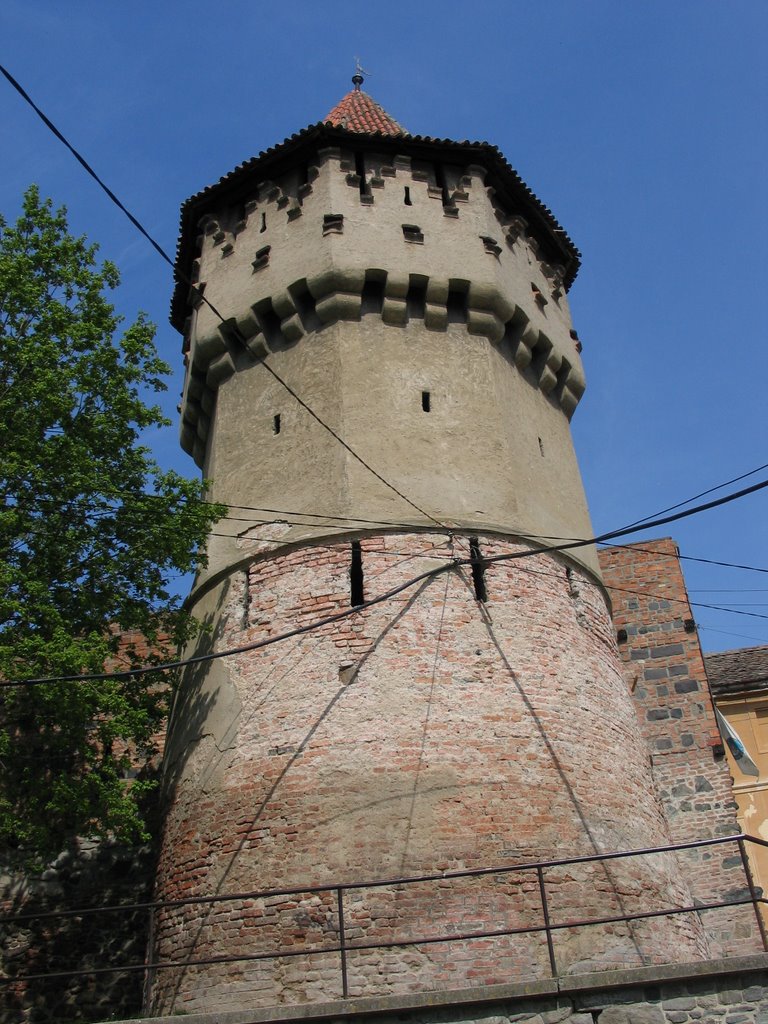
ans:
(736, 747)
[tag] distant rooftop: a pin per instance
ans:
(739, 671)
(357, 112)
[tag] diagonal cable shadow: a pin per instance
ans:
(323, 715)
(546, 741)
(425, 728)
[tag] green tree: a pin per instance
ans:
(91, 530)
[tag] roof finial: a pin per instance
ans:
(357, 78)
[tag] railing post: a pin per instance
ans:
(342, 943)
(149, 974)
(547, 930)
(752, 892)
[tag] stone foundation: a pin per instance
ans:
(730, 991)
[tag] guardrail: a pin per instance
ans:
(343, 947)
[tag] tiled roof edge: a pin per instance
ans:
(327, 129)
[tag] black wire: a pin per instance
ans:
(635, 527)
(732, 609)
(701, 494)
(725, 632)
(645, 526)
(691, 558)
(255, 645)
(187, 280)
(16, 85)
(81, 160)
(438, 570)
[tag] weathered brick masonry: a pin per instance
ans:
(396, 376)
(428, 733)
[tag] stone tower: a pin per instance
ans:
(379, 386)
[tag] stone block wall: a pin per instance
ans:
(731, 991)
(664, 671)
(93, 875)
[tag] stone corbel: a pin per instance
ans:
(338, 294)
(394, 308)
(436, 305)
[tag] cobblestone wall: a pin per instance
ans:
(94, 875)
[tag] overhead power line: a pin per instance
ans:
(84, 163)
(701, 494)
(429, 574)
(187, 280)
(164, 255)
(627, 530)
(692, 558)
(645, 523)
(253, 646)
(352, 523)
(739, 636)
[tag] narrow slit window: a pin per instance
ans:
(263, 222)
(426, 401)
(360, 169)
(276, 423)
(440, 182)
(356, 576)
(246, 598)
(478, 569)
(407, 196)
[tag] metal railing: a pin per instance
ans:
(343, 947)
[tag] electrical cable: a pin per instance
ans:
(723, 590)
(255, 645)
(732, 609)
(81, 160)
(740, 636)
(701, 494)
(49, 124)
(178, 274)
(438, 570)
(634, 527)
(690, 558)
(726, 499)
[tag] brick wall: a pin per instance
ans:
(429, 733)
(664, 671)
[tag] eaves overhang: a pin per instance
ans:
(236, 186)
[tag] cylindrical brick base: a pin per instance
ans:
(430, 733)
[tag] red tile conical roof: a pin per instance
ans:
(357, 112)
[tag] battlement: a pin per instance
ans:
(351, 234)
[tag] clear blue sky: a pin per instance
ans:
(641, 124)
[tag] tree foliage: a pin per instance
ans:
(91, 529)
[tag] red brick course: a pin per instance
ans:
(428, 733)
